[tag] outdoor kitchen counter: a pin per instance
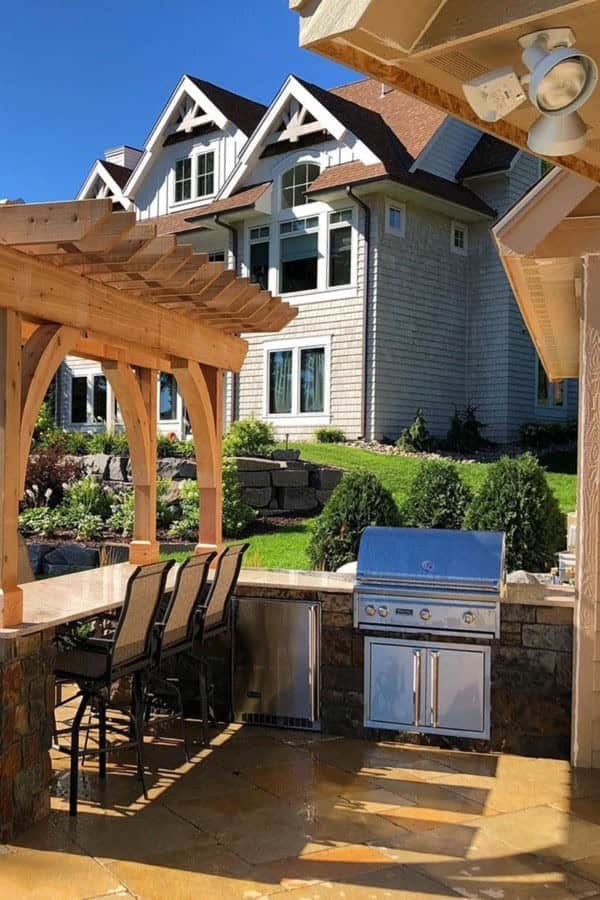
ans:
(55, 601)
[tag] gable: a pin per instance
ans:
(297, 127)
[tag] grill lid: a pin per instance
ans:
(423, 556)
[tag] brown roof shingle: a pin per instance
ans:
(190, 219)
(413, 122)
(244, 113)
(354, 173)
(119, 173)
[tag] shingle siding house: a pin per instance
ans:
(371, 212)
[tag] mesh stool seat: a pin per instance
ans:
(180, 628)
(100, 662)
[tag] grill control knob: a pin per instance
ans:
(468, 618)
(383, 611)
(425, 614)
(370, 610)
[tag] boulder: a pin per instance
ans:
(68, 558)
(257, 498)
(254, 478)
(285, 455)
(95, 464)
(37, 552)
(325, 479)
(297, 499)
(290, 478)
(256, 464)
(521, 577)
(176, 468)
(119, 468)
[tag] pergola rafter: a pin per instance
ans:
(78, 278)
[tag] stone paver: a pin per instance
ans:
(265, 813)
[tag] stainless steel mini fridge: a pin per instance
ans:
(276, 662)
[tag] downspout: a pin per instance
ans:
(366, 299)
(235, 378)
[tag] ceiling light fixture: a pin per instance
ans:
(560, 79)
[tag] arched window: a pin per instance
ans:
(296, 182)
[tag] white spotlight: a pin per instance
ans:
(561, 80)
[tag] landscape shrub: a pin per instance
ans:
(86, 497)
(122, 516)
(329, 435)
(538, 435)
(359, 500)
(41, 521)
(168, 445)
(464, 434)
(89, 527)
(415, 438)
(48, 469)
(438, 497)
(114, 443)
(45, 427)
(249, 437)
(237, 515)
(515, 498)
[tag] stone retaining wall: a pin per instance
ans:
(26, 704)
(271, 486)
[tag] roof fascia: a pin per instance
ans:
(538, 212)
(291, 88)
(184, 86)
(99, 170)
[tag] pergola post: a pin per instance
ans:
(586, 664)
(136, 392)
(202, 390)
(10, 459)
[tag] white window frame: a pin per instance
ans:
(459, 226)
(265, 238)
(333, 226)
(314, 228)
(296, 345)
(194, 157)
(398, 232)
(183, 159)
(196, 166)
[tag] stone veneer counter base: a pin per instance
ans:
(531, 670)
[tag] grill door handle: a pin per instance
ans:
(435, 675)
(417, 686)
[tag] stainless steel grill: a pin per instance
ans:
(418, 583)
(428, 580)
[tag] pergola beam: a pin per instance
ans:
(49, 293)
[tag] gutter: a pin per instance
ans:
(366, 300)
(234, 238)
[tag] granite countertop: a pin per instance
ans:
(55, 601)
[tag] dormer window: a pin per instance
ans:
(183, 180)
(296, 182)
(206, 174)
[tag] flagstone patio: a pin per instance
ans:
(266, 812)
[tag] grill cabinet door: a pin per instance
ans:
(391, 684)
(458, 685)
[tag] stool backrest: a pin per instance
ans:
(223, 585)
(134, 631)
(186, 599)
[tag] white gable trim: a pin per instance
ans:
(292, 90)
(185, 86)
(98, 170)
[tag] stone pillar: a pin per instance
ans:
(586, 667)
(26, 704)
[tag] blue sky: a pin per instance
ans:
(77, 77)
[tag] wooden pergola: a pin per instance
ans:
(80, 278)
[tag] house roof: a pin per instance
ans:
(188, 219)
(355, 173)
(368, 126)
(244, 113)
(120, 174)
(413, 122)
(488, 155)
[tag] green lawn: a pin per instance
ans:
(285, 548)
(397, 472)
